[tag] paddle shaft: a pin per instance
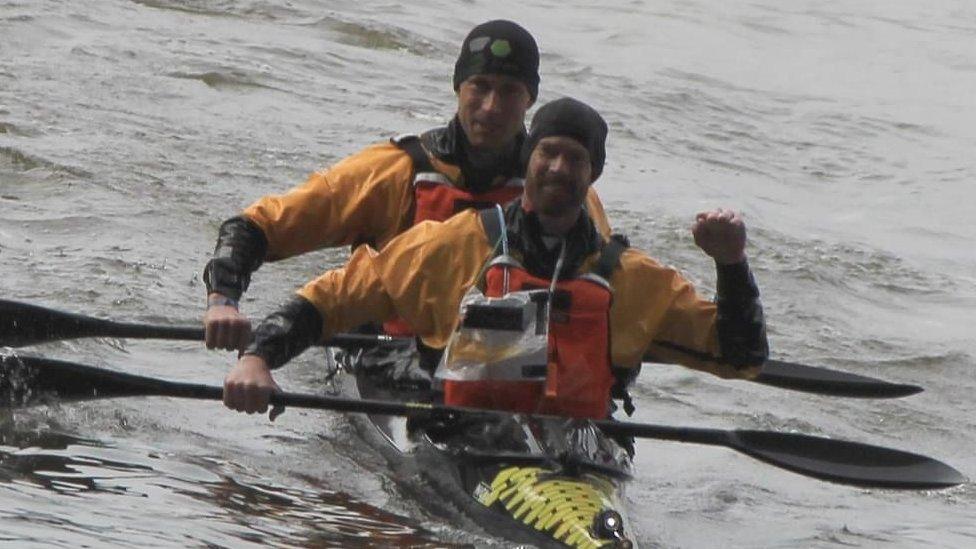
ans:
(25, 324)
(146, 331)
(27, 380)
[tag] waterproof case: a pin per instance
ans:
(500, 338)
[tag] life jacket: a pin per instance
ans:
(437, 199)
(574, 376)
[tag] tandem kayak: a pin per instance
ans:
(554, 483)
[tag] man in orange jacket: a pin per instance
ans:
(428, 272)
(385, 189)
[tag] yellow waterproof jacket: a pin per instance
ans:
(422, 275)
(367, 197)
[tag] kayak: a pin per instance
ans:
(558, 483)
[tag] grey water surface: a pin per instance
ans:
(844, 131)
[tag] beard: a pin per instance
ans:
(555, 195)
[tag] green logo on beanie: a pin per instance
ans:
(501, 48)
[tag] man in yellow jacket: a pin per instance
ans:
(426, 273)
(385, 189)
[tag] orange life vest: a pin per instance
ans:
(437, 199)
(578, 373)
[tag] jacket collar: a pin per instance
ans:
(450, 144)
(524, 234)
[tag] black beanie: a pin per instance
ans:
(499, 47)
(570, 118)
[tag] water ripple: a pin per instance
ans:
(17, 160)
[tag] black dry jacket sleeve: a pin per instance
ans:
(283, 335)
(241, 247)
(740, 323)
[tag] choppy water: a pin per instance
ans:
(844, 130)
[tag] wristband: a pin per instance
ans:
(221, 300)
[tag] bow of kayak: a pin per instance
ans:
(558, 484)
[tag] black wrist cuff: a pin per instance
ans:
(740, 321)
(286, 333)
(735, 282)
(220, 277)
(240, 250)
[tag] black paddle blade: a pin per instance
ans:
(789, 375)
(29, 381)
(25, 324)
(838, 461)
(822, 381)
(846, 462)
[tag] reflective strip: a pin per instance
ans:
(596, 279)
(505, 260)
(432, 177)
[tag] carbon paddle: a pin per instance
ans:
(23, 324)
(26, 324)
(31, 380)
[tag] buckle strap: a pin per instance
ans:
(493, 220)
(412, 145)
(610, 256)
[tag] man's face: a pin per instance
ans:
(558, 176)
(491, 108)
